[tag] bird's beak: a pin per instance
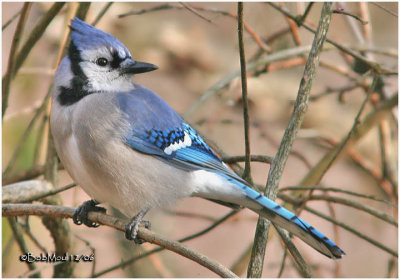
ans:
(131, 66)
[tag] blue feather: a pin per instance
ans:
(86, 37)
(270, 208)
(153, 135)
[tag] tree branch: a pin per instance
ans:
(12, 210)
(279, 161)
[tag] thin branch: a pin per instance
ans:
(102, 13)
(343, 12)
(24, 136)
(193, 10)
(339, 149)
(301, 265)
(37, 33)
(278, 164)
(350, 229)
(153, 9)
(251, 66)
(82, 10)
(385, 9)
(12, 210)
(305, 14)
(335, 190)
(380, 215)
(11, 67)
(28, 191)
(282, 267)
(366, 125)
(18, 235)
(247, 170)
(375, 66)
(4, 26)
(122, 264)
(255, 158)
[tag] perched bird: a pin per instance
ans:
(127, 147)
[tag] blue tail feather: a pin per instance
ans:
(286, 219)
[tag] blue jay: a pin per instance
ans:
(127, 147)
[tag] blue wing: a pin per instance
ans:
(156, 129)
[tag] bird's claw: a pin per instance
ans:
(81, 213)
(131, 229)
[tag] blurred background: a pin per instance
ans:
(195, 46)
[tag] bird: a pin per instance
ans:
(125, 146)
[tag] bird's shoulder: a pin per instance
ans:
(159, 129)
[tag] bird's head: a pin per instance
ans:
(100, 62)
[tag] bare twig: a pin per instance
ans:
(102, 13)
(194, 11)
(12, 210)
(257, 158)
(356, 123)
(11, 67)
(37, 33)
(279, 161)
(366, 125)
(122, 264)
(336, 190)
(24, 136)
(301, 19)
(28, 191)
(374, 212)
(247, 170)
(378, 68)
(301, 265)
(350, 229)
(385, 9)
(18, 235)
(4, 26)
(225, 81)
(82, 10)
(343, 12)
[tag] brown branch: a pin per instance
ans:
(37, 33)
(4, 26)
(11, 67)
(279, 161)
(301, 265)
(366, 125)
(339, 149)
(355, 232)
(343, 12)
(320, 188)
(193, 10)
(375, 66)
(247, 170)
(256, 158)
(356, 205)
(13, 210)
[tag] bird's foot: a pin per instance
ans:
(81, 213)
(131, 229)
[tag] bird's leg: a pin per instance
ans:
(81, 213)
(131, 229)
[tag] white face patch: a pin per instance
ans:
(106, 79)
(187, 141)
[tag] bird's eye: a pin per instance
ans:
(102, 61)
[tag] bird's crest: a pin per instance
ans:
(86, 36)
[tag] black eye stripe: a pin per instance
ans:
(117, 60)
